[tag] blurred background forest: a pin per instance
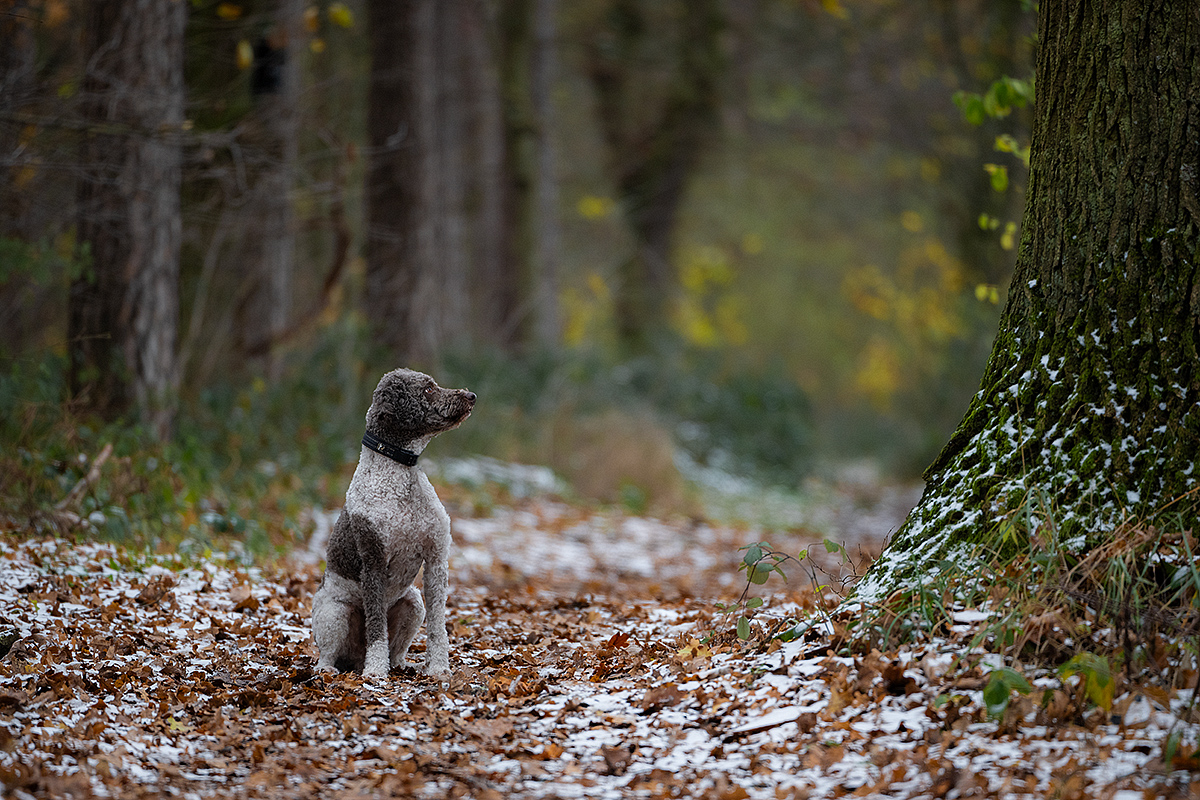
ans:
(764, 237)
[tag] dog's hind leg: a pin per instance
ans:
(404, 620)
(338, 633)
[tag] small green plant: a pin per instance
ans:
(759, 561)
(1096, 674)
(1001, 684)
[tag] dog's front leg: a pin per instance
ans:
(437, 575)
(374, 578)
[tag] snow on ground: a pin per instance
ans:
(589, 661)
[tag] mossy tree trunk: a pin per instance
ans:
(1088, 412)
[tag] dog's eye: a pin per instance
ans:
(430, 392)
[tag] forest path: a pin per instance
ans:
(589, 660)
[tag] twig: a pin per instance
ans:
(80, 489)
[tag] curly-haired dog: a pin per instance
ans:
(367, 611)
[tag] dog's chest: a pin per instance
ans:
(400, 502)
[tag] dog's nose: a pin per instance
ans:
(470, 397)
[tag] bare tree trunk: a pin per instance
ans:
(1088, 414)
(449, 264)
(417, 248)
(490, 245)
(124, 310)
(654, 156)
(547, 234)
(275, 127)
(17, 88)
(393, 189)
(515, 25)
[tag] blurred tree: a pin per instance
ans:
(394, 163)
(547, 322)
(273, 137)
(656, 69)
(460, 230)
(525, 290)
(124, 308)
(417, 247)
(1089, 411)
(17, 81)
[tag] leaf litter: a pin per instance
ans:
(589, 660)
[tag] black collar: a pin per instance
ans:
(396, 453)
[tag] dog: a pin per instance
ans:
(367, 611)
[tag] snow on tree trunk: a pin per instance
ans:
(1088, 411)
(124, 309)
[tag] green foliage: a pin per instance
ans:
(759, 561)
(998, 101)
(1096, 674)
(244, 467)
(752, 422)
(998, 691)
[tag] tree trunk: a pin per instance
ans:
(654, 155)
(448, 265)
(520, 180)
(17, 88)
(417, 262)
(393, 189)
(547, 323)
(124, 310)
(1088, 410)
(274, 136)
(490, 245)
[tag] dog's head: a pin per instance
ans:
(408, 406)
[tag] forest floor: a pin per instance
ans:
(589, 659)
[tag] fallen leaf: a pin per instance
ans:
(661, 697)
(243, 599)
(692, 650)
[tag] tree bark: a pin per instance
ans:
(124, 310)
(654, 152)
(417, 263)
(519, 170)
(17, 89)
(275, 128)
(547, 323)
(393, 189)
(1089, 410)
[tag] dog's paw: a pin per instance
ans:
(436, 667)
(377, 661)
(328, 669)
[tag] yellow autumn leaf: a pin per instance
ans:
(835, 8)
(229, 11)
(317, 45)
(312, 19)
(341, 15)
(694, 649)
(245, 54)
(1008, 239)
(752, 244)
(593, 207)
